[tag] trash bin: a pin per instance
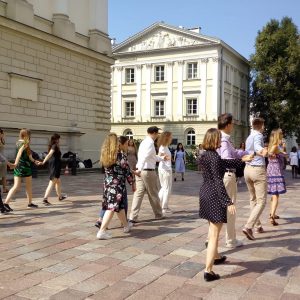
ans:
(73, 164)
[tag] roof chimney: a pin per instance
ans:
(195, 29)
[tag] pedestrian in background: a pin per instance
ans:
(3, 165)
(23, 169)
(132, 154)
(276, 182)
(165, 171)
(294, 162)
(117, 171)
(54, 166)
(214, 201)
(180, 161)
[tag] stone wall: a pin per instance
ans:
(73, 95)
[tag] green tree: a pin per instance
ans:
(275, 71)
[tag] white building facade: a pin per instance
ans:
(55, 73)
(179, 80)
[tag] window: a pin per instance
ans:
(192, 70)
(128, 133)
(159, 73)
(192, 106)
(227, 74)
(159, 108)
(129, 109)
(129, 75)
(191, 137)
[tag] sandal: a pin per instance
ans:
(275, 217)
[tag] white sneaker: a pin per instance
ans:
(167, 211)
(237, 243)
(128, 227)
(103, 235)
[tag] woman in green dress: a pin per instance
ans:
(23, 169)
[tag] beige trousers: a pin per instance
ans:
(148, 182)
(231, 189)
(256, 180)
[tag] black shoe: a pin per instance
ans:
(32, 205)
(220, 260)
(182, 179)
(7, 207)
(98, 224)
(61, 198)
(175, 179)
(211, 276)
(4, 211)
(132, 221)
(206, 244)
(46, 202)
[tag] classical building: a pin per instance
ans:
(55, 70)
(180, 80)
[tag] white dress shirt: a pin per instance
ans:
(147, 157)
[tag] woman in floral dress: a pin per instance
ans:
(276, 182)
(117, 171)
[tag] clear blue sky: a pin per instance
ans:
(234, 21)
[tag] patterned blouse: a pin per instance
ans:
(115, 192)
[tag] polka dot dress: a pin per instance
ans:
(213, 196)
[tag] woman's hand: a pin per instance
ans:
(133, 187)
(232, 209)
(11, 166)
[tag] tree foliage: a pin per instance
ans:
(275, 71)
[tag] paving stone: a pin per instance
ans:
(37, 292)
(184, 252)
(69, 294)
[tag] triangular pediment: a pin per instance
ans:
(162, 36)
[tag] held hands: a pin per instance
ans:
(38, 163)
(133, 187)
(137, 173)
(247, 158)
(231, 209)
(11, 166)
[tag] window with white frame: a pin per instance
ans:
(159, 108)
(192, 70)
(129, 75)
(128, 133)
(160, 73)
(191, 137)
(192, 106)
(129, 109)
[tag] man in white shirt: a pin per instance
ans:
(146, 180)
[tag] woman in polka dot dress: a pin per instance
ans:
(214, 201)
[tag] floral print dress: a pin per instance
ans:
(115, 193)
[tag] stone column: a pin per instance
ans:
(20, 11)
(62, 26)
(98, 33)
(203, 95)
(148, 94)
(216, 90)
(138, 93)
(169, 102)
(119, 96)
(180, 90)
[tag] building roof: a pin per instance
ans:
(161, 36)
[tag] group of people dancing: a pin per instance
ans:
(22, 169)
(219, 162)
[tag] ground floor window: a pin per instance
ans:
(190, 137)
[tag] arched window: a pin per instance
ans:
(128, 133)
(190, 137)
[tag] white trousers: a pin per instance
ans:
(165, 178)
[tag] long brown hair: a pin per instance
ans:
(54, 141)
(109, 150)
(25, 135)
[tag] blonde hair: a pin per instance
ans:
(274, 141)
(109, 150)
(25, 134)
(211, 139)
(164, 139)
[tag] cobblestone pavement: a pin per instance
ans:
(52, 252)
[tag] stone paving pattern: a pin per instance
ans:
(53, 253)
